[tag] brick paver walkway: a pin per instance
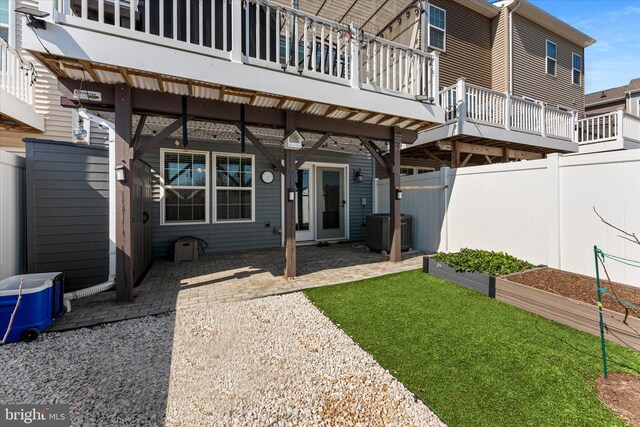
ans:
(233, 277)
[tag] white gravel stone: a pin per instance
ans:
(275, 361)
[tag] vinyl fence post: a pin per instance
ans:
(553, 217)
(444, 229)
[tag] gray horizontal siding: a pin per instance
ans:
(68, 211)
(254, 235)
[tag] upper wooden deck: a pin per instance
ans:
(252, 52)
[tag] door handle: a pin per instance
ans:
(344, 202)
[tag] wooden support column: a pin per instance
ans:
(394, 202)
(124, 195)
(289, 205)
(455, 154)
(505, 155)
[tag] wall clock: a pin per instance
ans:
(267, 177)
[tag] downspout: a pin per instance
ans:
(111, 279)
(511, 45)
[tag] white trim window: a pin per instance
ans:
(414, 170)
(185, 177)
(552, 58)
(576, 68)
(234, 187)
(5, 20)
(638, 107)
(437, 28)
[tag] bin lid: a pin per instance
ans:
(32, 283)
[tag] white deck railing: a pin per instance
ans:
(265, 34)
(393, 67)
(608, 127)
(485, 105)
(16, 75)
(498, 109)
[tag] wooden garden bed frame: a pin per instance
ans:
(570, 312)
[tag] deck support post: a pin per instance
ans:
(289, 205)
(124, 194)
(455, 154)
(395, 195)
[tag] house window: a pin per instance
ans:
(552, 56)
(186, 187)
(638, 108)
(414, 170)
(437, 27)
(234, 188)
(424, 170)
(4, 20)
(576, 61)
(406, 171)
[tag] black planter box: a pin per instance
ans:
(478, 282)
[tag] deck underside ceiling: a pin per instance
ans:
(100, 73)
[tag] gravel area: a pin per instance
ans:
(271, 361)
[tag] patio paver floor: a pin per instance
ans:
(235, 276)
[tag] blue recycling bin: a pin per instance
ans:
(42, 302)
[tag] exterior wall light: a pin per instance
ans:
(398, 194)
(358, 175)
(292, 195)
(121, 175)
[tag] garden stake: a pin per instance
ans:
(604, 351)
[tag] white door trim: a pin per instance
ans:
(313, 177)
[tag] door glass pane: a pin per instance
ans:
(330, 200)
(303, 203)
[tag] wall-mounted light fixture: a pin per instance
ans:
(292, 195)
(34, 17)
(358, 175)
(398, 194)
(121, 175)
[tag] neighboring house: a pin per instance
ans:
(626, 98)
(613, 119)
(523, 72)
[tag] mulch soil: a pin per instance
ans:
(621, 393)
(577, 287)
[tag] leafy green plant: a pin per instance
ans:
(485, 262)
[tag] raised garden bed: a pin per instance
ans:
(473, 269)
(571, 299)
(482, 283)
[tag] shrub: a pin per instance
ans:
(485, 262)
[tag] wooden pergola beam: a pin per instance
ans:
(136, 136)
(262, 149)
(311, 151)
(158, 138)
(377, 154)
(485, 150)
(154, 103)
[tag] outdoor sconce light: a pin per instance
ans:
(121, 175)
(358, 175)
(80, 133)
(292, 195)
(398, 194)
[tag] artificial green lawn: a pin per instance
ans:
(475, 361)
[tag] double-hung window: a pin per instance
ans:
(234, 187)
(185, 176)
(576, 61)
(552, 58)
(437, 28)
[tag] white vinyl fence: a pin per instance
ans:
(540, 210)
(12, 215)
